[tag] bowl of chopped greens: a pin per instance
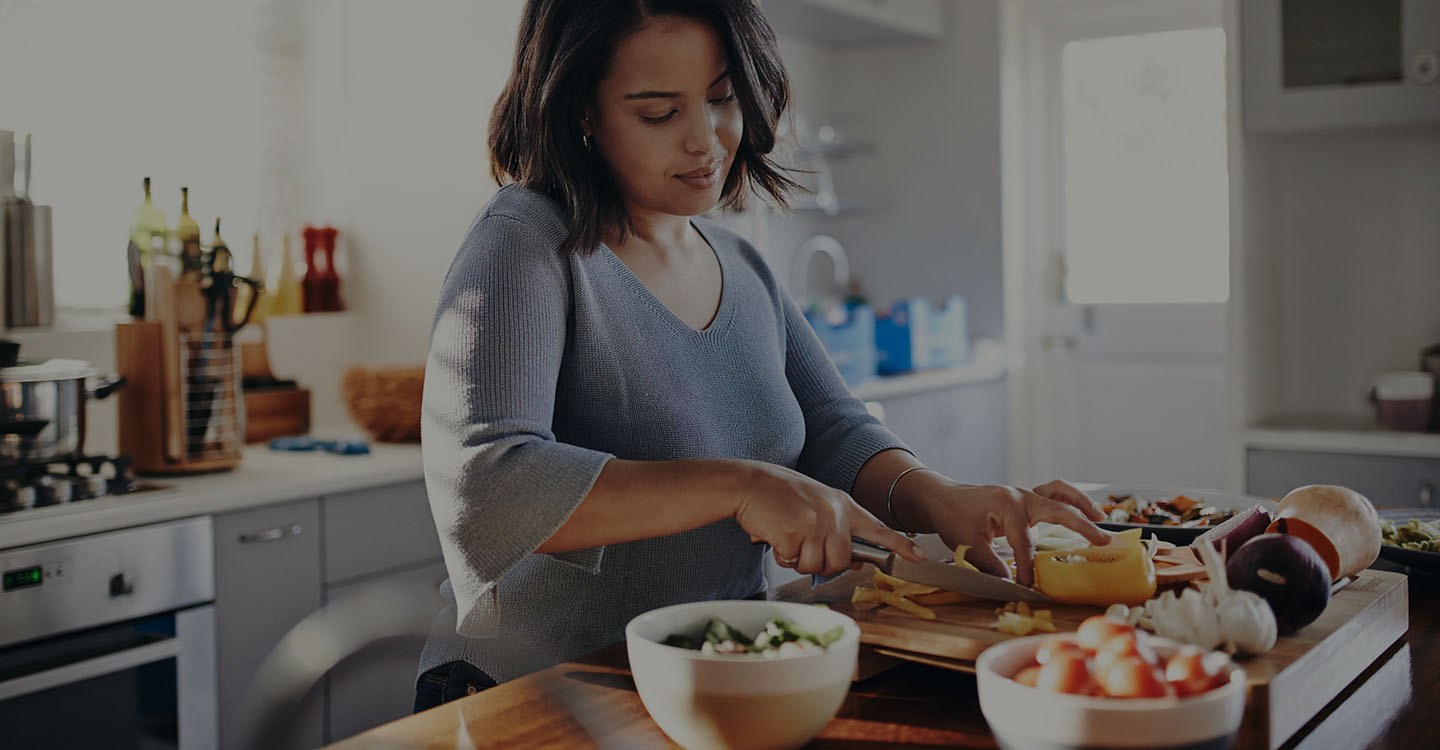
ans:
(1411, 537)
(731, 674)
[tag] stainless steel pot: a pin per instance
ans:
(42, 407)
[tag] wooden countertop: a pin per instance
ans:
(909, 705)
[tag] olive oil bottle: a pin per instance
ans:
(187, 232)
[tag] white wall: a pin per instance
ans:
(404, 166)
(398, 152)
(107, 109)
(1349, 227)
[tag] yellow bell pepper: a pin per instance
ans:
(1121, 572)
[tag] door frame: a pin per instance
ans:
(1029, 141)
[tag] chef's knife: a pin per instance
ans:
(945, 576)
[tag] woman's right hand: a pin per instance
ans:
(809, 524)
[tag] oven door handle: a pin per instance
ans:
(84, 670)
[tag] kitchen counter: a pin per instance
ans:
(987, 362)
(1341, 435)
(909, 705)
(264, 477)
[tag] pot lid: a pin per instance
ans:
(51, 369)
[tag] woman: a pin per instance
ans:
(621, 404)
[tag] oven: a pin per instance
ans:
(108, 640)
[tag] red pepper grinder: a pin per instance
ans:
(312, 285)
(330, 277)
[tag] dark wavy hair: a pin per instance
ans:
(564, 51)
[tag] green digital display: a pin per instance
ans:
(23, 578)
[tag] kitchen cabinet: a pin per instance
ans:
(267, 578)
(858, 21)
(1389, 481)
(377, 530)
(962, 432)
(377, 685)
(278, 564)
(376, 537)
(1339, 63)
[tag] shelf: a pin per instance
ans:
(987, 362)
(1340, 435)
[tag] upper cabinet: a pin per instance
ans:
(857, 21)
(1313, 64)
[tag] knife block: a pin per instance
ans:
(180, 411)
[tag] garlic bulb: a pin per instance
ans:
(1213, 616)
(1247, 622)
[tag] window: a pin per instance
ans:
(1146, 199)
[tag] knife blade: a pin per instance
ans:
(942, 575)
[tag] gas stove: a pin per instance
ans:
(28, 484)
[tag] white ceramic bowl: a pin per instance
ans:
(1026, 717)
(740, 701)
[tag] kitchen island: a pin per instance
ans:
(591, 702)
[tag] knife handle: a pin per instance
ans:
(865, 552)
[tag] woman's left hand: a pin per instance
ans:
(973, 515)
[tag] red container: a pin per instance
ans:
(1404, 400)
(1410, 415)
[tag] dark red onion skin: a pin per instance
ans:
(1235, 532)
(1287, 573)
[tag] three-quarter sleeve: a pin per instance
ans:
(499, 482)
(840, 435)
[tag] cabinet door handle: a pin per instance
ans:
(270, 535)
(1427, 490)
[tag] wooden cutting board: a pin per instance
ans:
(1288, 686)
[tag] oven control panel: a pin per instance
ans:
(93, 580)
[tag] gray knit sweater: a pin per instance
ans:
(541, 368)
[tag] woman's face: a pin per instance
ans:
(666, 120)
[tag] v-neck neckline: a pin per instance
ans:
(718, 322)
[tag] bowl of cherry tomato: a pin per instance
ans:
(1109, 685)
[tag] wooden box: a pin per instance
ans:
(277, 412)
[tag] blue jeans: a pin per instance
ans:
(448, 682)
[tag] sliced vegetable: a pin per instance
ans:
(1067, 672)
(1339, 523)
(778, 637)
(1096, 630)
(718, 632)
(1016, 618)
(1288, 573)
(1133, 644)
(1423, 536)
(1192, 671)
(1244, 526)
(1028, 676)
(1053, 646)
(1125, 666)
(1120, 572)
(1133, 677)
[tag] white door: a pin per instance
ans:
(1118, 237)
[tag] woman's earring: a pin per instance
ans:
(585, 139)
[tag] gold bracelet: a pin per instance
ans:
(890, 499)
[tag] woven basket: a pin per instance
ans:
(386, 402)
